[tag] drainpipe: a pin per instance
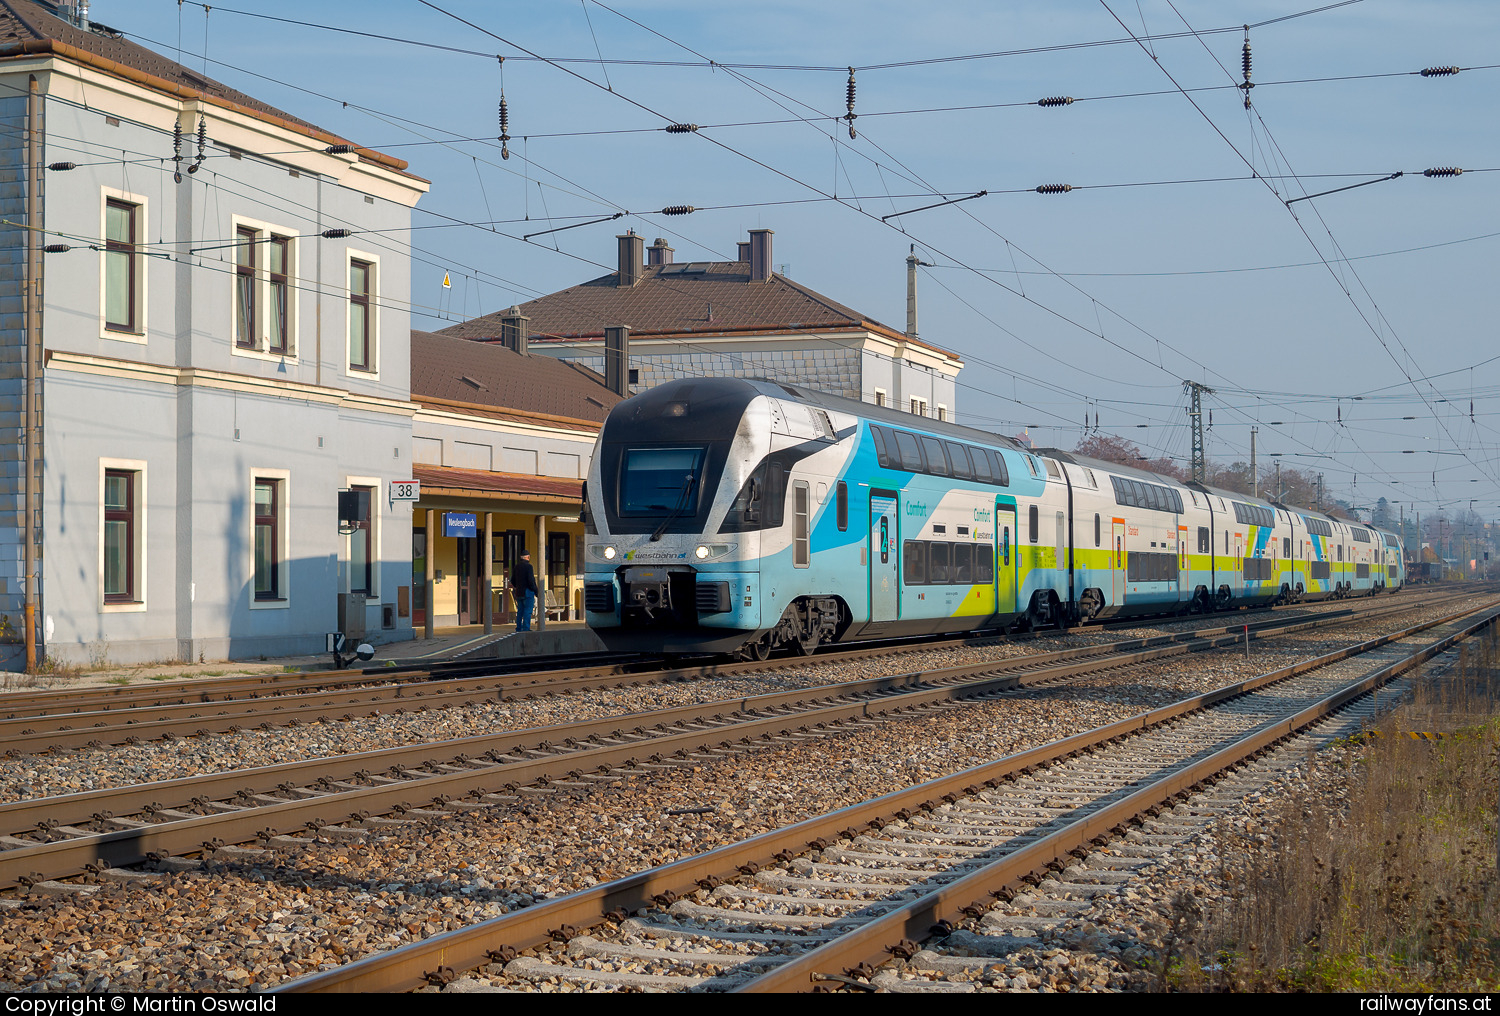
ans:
(33, 357)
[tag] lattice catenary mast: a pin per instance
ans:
(1195, 416)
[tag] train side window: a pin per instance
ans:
(984, 564)
(842, 506)
(914, 567)
(937, 461)
(963, 564)
(775, 495)
(911, 452)
(1096, 529)
(1341, 552)
(1032, 523)
(1001, 470)
(1203, 540)
(1286, 546)
(800, 504)
(982, 471)
(958, 457)
(937, 564)
(887, 460)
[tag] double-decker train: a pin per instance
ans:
(740, 516)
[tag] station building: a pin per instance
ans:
(201, 345)
(501, 443)
(729, 319)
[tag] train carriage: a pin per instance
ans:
(729, 515)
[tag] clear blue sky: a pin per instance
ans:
(1168, 260)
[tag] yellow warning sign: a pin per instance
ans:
(447, 282)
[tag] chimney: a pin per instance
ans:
(630, 259)
(515, 330)
(744, 251)
(659, 253)
(617, 359)
(911, 295)
(760, 255)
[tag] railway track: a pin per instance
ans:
(93, 718)
(827, 900)
(343, 796)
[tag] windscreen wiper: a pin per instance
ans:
(682, 500)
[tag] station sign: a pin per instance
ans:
(460, 524)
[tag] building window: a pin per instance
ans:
(244, 289)
(268, 505)
(278, 269)
(942, 412)
(119, 536)
(122, 231)
(264, 311)
(361, 323)
(919, 407)
(880, 396)
(362, 548)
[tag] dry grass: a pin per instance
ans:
(1389, 883)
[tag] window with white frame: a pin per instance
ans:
(269, 585)
(363, 316)
(265, 294)
(122, 274)
(880, 396)
(122, 529)
(919, 407)
(942, 411)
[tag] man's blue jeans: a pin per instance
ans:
(523, 614)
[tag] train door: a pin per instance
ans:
(884, 568)
(1239, 561)
(1005, 559)
(1117, 556)
(1184, 574)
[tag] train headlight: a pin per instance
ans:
(701, 553)
(609, 552)
(713, 551)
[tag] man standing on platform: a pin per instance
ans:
(524, 588)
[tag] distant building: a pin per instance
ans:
(730, 319)
(211, 357)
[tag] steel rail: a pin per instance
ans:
(919, 688)
(76, 702)
(870, 943)
(431, 960)
(38, 734)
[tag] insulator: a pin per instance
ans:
(1438, 72)
(335, 234)
(504, 119)
(1054, 188)
(1442, 171)
(62, 167)
(680, 128)
(1245, 60)
(202, 143)
(339, 149)
(678, 210)
(57, 248)
(177, 140)
(1056, 100)
(849, 96)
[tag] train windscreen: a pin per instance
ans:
(661, 481)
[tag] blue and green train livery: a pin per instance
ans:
(730, 515)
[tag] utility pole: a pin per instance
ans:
(1320, 492)
(1279, 492)
(1254, 472)
(1195, 416)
